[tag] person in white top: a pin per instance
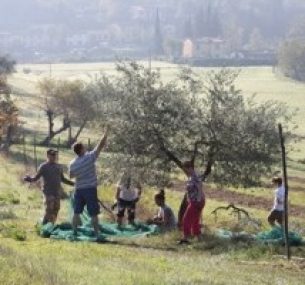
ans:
(277, 212)
(127, 197)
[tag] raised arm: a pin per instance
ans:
(101, 144)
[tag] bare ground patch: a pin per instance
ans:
(239, 199)
(298, 180)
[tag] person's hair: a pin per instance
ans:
(77, 148)
(277, 180)
(160, 195)
(188, 164)
(51, 151)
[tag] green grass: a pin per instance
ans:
(26, 258)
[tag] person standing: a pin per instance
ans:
(195, 204)
(52, 174)
(277, 212)
(127, 197)
(83, 169)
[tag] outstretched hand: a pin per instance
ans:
(106, 130)
(27, 178)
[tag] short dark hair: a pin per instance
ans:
(51, 151)
(277, 180)
(160, 195)
(77, 147)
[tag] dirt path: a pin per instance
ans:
(298, 180)
(244, 200)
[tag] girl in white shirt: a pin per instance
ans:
(277, 212)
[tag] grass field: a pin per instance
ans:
(26, 258)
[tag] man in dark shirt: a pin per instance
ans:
(52, 175)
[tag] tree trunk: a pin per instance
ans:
(66, 124)
(50, 135)
(69, 135)
(182, 209)
(72, 140)
(8, 139)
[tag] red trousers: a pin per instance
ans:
(191, 218)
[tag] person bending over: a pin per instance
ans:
(165, 217)
(277, 212)
(52, 175)
(83, 169)
(127, 197)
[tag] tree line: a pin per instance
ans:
(237, 22)
(291, 55)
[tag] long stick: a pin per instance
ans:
(107, 209)
(282, 141)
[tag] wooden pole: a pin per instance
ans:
(284, 165)
(35, 154)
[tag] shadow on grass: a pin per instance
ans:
(241, 245)
(22, 158)
(26, 159)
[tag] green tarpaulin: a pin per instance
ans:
(276, 236)
(273, 236)
(85, 232)
(110, 230)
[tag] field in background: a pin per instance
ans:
(154, 260)
(261, 81)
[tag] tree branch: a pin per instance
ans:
(234, 210)
(238, 211)
(171, 156)
(80, 129)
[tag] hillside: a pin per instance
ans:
(25, 258)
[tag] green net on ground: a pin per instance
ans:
(85, 232)
(273, 236)
(276, 236)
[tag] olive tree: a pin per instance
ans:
(157, 125)
(70, 102)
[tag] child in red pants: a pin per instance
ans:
(196, 203)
